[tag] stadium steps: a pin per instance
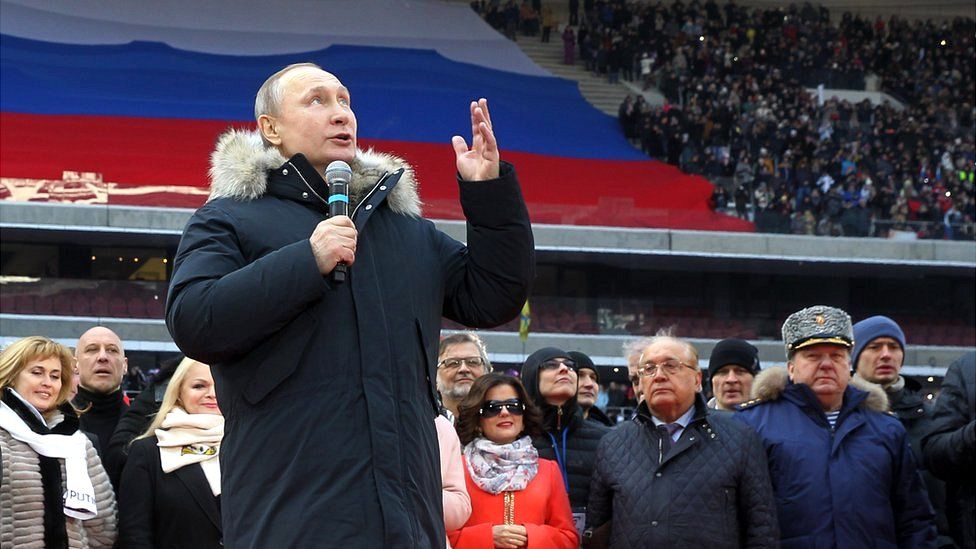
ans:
(595, 89)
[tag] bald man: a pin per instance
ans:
(101, 366)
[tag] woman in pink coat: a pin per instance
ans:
(457, 504)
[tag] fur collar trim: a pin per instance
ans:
(771, 382)
(240, 163)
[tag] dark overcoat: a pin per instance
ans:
(950, 447)
(327, 388)
(158, 509)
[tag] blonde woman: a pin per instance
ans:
(169, 495)
(53, 489)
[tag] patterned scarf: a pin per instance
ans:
(498, 468)
(185, 439)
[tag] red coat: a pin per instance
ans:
(543, 508)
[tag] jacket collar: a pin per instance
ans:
(701, 411)
(242, 169)
(101, 403)
(699, 428)
(774, 383)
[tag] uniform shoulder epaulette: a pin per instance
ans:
(749, 404)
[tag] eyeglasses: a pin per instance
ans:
(494, 407)
(473, 362)
(555, 363)
(670, 367)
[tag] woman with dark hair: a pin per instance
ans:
(551, 378)
(517, 499)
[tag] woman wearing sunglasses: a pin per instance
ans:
(517, 499)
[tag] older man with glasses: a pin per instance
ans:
(462, 359)
(680, 475)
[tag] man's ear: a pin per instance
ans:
(269, 129)
(789, 369)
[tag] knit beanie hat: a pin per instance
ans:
(734, 351)
(584, 361)
(872, 328)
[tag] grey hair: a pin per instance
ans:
(669, 333)
(633, 347)
(269, 96)
(465, 337)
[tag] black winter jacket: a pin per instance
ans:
(327, 388)
(915, 415)
(582, 436)
(712, 489)
(158, 509)
(135, 421)
(599, 416)
(949, 448)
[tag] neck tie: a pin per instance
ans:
(666, 431)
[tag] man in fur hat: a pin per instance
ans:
(328, 388)
(842, 469)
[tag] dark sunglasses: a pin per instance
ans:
(494, 407)
(554, 363)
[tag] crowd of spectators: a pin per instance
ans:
(740, 112)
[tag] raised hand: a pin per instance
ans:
(480, 162)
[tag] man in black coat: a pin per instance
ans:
(949, 449)
(680, 475)
(101, 366)
(551, 379)
(327, 388)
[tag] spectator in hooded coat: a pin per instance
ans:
(551, 379)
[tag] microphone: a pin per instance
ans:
(338, 175)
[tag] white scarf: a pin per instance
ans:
(79, 498)
(185, 439)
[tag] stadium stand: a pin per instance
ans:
(90, 159)
(741, 112)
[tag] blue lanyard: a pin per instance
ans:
(561, 457)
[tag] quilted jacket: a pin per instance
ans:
(711, 490)
(852, 486)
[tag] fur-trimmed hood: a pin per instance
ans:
(240, 163)
(771, 382)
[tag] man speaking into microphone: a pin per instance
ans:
(327, 388)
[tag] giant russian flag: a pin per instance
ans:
(138, 92)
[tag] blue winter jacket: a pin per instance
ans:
(856, 485)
